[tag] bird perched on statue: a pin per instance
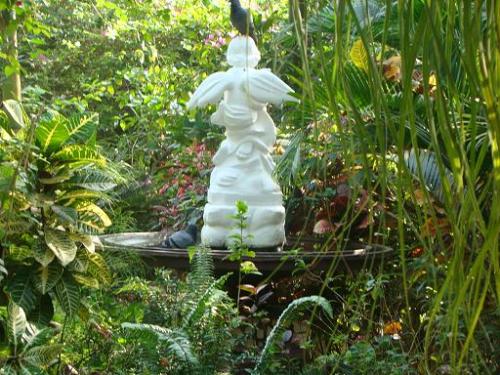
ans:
(241, 19)
(182, 239)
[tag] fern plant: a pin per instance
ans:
(199, 338)
(56, 181)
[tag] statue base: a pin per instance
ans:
(265, 226)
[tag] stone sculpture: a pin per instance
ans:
(243, 164)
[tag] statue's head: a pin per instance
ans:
(242, 52)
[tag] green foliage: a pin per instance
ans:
(56, 178)
(31, 351)
(199, 339)
(239, 245)
(389, 89)
(396, 142)
(291, 313)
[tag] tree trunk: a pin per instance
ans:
(11, 87)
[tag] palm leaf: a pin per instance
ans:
(8, 370)
(3, 270)
(424, 166)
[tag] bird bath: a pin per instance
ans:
(294, 252)
(244, 172)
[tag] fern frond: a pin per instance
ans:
(211, 297)
(288, 316)
(202, 272)
(178, 343)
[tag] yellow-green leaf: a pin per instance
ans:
(61, 244)
(358, 55)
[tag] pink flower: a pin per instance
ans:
(43, 59)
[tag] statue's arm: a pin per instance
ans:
(263, 86)
(210, 91)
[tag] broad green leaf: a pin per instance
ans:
(68, 295)
(16, 323)
(15, 111)
(38, 337)
(55, 180)
(81, 262)
(81, 128)
(88, 281)
(21, 290)
(6, 179)
(85, 240)
(88, 226)
(51, 132)
(79, 153)
(46, 278)
(43, 254)
(43, 312)
(41, 356)
(93, 180)
(61, 245)
(97, 211)
(98, 268)
(81, 195)
(65, 214)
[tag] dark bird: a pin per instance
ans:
(182, 239)
(241, 19)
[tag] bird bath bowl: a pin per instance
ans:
(298, 253)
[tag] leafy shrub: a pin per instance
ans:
(50, 211)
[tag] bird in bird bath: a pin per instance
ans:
(243, 164)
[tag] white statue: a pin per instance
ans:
(243, 164)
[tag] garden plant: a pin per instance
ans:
(395, 144)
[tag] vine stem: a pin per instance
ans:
(239, 264)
